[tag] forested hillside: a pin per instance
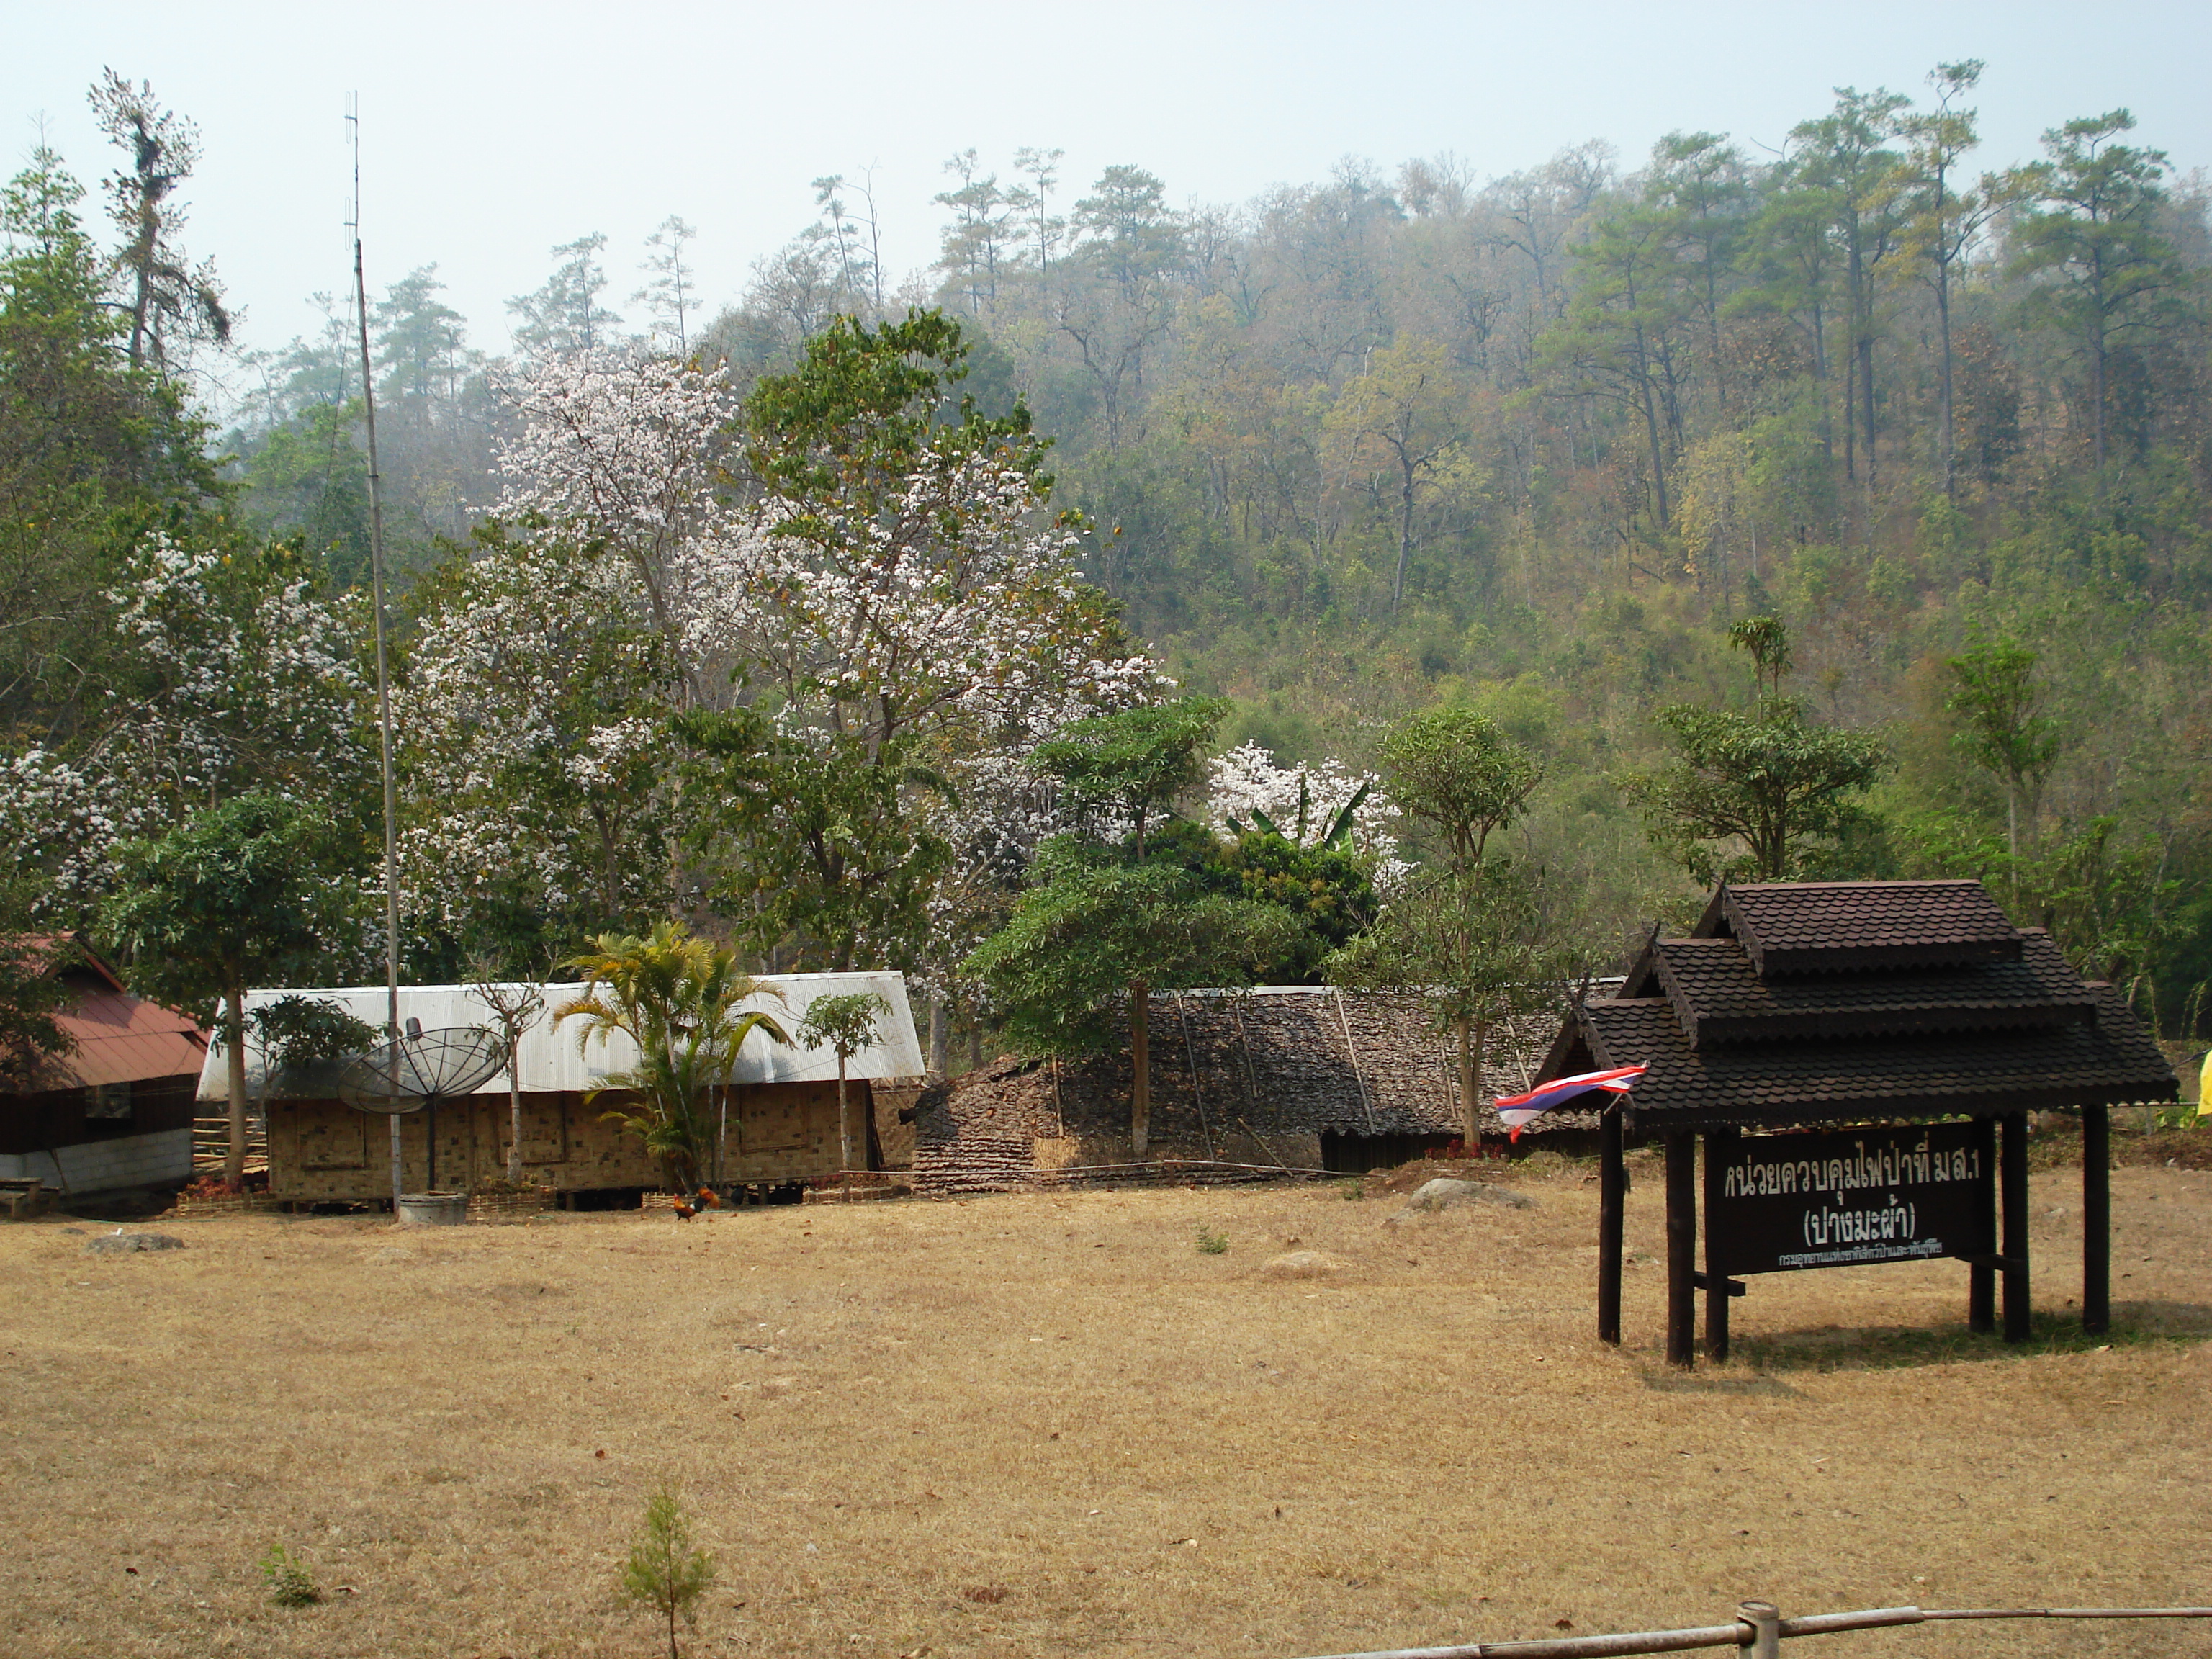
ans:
(1528, 443)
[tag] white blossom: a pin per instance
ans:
(1248, 779)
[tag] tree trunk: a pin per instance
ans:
(1140, 1057)
(1651, 431)
(939, 1039)
(2097, 402)
(234, 1002)
(514, 1116)
(1947, 437)
(1468, 1083)
(1850, 415)
(1866, 399)
(1405, 531)
(844, 1121)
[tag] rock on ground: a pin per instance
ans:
(1444, 1193)
(131, 1244)
(1304, 1264)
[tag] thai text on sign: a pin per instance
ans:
(1781, 1203)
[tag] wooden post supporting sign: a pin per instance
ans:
(1720, 1144)
(1612, 1190)
(1681, 1247)
(1981, 1277)
(2096, 1220)
(2012, 1176)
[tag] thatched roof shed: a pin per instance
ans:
(1301, 1075)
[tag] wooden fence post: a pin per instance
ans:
(1681, 1248)
(1611, 1189)
(1765, 1621)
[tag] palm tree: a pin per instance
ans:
(680, 1000)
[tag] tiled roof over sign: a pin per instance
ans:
(2112, 1060)
(1810, 1002)
(1721, 998)
(1821, 927)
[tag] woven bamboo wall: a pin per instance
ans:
(326, 1150)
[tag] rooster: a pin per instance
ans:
(706, 1199)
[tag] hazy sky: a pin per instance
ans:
(492, 132)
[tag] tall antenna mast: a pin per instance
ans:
(383, 669)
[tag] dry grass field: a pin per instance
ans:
(1050, 1423)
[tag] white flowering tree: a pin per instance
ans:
(852, 622)
(233, 674)
(1248, 789)
(623, 456)
(532, 723)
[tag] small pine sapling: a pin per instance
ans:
(664, 1572)
(290, 1583)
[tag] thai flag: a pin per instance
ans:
(1521, 1111)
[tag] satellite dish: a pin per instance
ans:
(418, 1071)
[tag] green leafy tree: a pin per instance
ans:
(845, 1024)
(1095, 933)
(1752, 794)
(565, 315)
(91, 451)
(1847, 163)
(241, 894)
(2094, 238)
(1768, 784)
(665, 1573)
(1469, 932)
(1461, 778)
(1479, 946)
(1767, 640)
(679, 1000)
(169, 299)
(867, 406)
(820, 844)
(1998, 703)
(31, 991)
(1616, 341)
(1946, 213)
(1104, 923)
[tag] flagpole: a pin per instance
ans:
(383, 665)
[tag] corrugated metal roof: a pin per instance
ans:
(121, 1038)
(552, 1061)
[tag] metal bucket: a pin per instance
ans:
(433, 1209)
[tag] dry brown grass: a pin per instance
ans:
(1050, 1423)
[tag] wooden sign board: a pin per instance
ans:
(1783, 1203)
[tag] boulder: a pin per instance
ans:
(122, 1244)
(1444, 1194)
(1304, 1264)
